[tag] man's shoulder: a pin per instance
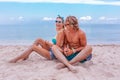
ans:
(81, 32)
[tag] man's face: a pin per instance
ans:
(68, 25)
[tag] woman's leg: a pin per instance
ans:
(23, 56)
(44, 44)
(81, 56)
(43, 52)
(62, 58)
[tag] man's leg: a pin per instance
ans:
(81, 56)
(62, 58)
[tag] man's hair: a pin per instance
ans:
(73, 21)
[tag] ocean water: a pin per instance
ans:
(102, 33)
(26, 34)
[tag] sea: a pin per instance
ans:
(26, 34)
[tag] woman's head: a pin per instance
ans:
(72, 22)
(59, 23)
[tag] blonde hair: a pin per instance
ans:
(73, 21)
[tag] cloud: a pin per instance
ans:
(97, 2)
(11, 20)
(48, 19)
(102, 2)
(55, 1)
(102, 18)
(108, 18)
(21, 18)
(85, 18)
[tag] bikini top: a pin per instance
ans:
(54, 40)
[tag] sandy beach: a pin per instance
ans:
(105, 65)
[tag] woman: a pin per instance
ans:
(43, 47)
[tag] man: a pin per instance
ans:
(76, 48)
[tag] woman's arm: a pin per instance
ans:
(60, 40)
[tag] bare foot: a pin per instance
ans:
(72, 68)
(60, 66)
(12, 61)
(25, 58)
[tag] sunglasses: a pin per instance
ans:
(58, 21)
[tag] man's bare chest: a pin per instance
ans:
(72, 38)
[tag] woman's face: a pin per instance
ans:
(59, 24)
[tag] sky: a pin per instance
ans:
(87, 11)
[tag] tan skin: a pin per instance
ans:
(75, 39)
(41, 46)
(45, 46)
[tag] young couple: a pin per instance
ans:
(69, 46)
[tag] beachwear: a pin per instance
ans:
(54, 41)
(70, 57)
(51, 52)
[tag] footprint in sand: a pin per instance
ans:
(108, 74)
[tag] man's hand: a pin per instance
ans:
(67, 51)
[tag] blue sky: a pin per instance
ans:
(87, 11)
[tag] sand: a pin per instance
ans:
(105, 65)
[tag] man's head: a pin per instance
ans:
(71, 21)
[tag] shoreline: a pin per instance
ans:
(30, 42)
